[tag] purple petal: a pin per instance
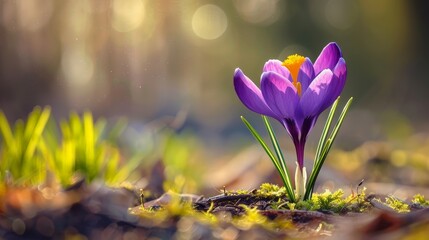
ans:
(306, 74)
(306, 127)
(276, 66)
(280, 94)
(339, 80)
(328, 58)
(294, 132)
(249, 94)
(313, 101)
(293, 129)
(340, 71)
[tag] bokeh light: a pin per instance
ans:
(209, 22)
(149, 60)
(127, 14)
(31, 15)
(77, 67)
(146, 59)
(263, 12)
(34, 14)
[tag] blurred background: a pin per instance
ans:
(149, 59)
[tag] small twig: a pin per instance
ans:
(141, 197)
(353, 198)
(357, 189)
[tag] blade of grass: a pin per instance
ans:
(100, 130)
(279, 153)
(88, 128)
(117, 130)
(100, 146)
(76, 136)
(335, 131)
(340, 121)
(46, 154)
(325, 131)
(31, 123)
(51, 133)
(17, 151)
(112, 166)
(271, 156)
(10, 149)
(66, 159)
(36, 134)
(324, 151)
(6, 131)
(319, 149)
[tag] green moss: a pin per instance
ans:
(327, 201)
(175, 209)
(271, 190)
(420, 200)
(397, 204)
(251, 217)
(235, 192)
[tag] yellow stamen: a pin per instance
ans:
(298, 87)
(293, 63)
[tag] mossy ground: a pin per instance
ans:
(268, 209)
(93, 211)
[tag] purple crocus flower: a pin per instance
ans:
(295, 92)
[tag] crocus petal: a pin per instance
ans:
(249, 94)
(340, 71)
(280, 94)
(306, 74)
(306, 127)
(320, 90)
(293, 129)
(328, 58)
(276, 66)
(338, 82)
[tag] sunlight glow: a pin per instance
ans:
(209, 22)
(31, 15)
(128, 15)
(263, 12)
(78, 67)
(293, 49)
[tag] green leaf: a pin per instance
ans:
(270, 155)
(117, 130)
(325, 131)
(340, 120)
(280, 157)
(20, 158)
(31, 122)
(6, 131)
(88, 132)
(36, 134)
(323, 149)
